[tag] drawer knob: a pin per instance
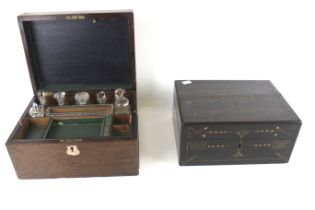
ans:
(73, 150)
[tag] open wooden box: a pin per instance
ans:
(75, 52)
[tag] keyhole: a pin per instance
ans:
(239, 146)
(72, 150)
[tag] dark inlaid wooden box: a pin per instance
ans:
(76, 52)
(232, 122)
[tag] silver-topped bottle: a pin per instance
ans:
(121, 102)
(43, 97)
(37, 110)
(101, 97)
(60, 97)
(82, 98)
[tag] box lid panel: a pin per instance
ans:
(203, 101)
(79, 51)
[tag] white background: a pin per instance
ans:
(268, 39)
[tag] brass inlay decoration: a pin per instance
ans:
(75, 17)
(193, 132)
(69, 140)
(284, 131)
(280, 145)
(215, 146)
(238, 154)
(264, 145)
(281, 156)
(203, 146)
(265, 131)
(241, 133)
(203, 132)
(274, 131)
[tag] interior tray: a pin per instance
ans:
(75, 128)
(85, 110)
(33, 128)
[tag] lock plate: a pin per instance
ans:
(72, 150)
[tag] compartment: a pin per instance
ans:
(61, 127)
(121, 130)
(83, 110)
(33, 128)
(121, 125)
(122, 119)
(75, 128)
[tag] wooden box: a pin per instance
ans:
(232, 122)
(75, 52)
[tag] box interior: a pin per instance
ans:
(75, 53)
(76, 127)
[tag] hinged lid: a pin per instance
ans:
(79, 51)
(217, 101)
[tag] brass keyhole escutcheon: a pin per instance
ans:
(73, 150)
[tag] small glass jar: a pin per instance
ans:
(82, 98)
(37, 110)
(60, 97)
(101, 97)
(120, 99)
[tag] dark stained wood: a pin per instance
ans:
(232, 122)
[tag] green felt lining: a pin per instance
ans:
(35, 132)
(75, 128)
(80, 128)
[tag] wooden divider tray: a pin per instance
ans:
(85, 110)
(47, 128)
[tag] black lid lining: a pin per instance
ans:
(80, 54)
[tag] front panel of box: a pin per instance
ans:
(237, 143)
(75, 158)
